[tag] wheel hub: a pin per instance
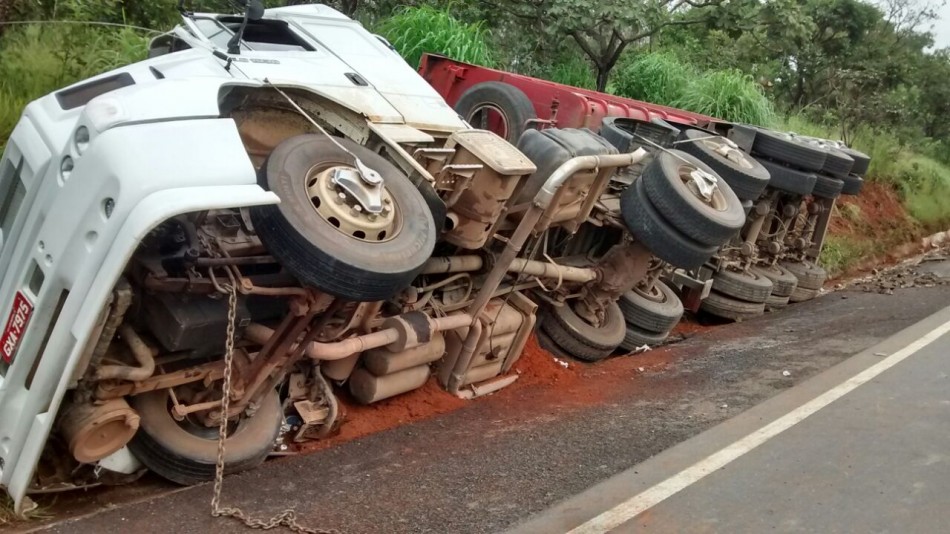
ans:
(729, 150)
(341, 196)
(365, 189)
(704, 186)
(652, 292)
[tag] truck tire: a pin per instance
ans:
(810, 276)
(775, 302)
(638, 337)
(748, 286)
(785, 148)
(186, 452)
(497, 106)
(853, 184)
(827, 186)
(582, 340)
(861, 161)
(730, 308)
(650, 228)
(802, 294)
(711, 223)
(837, 163)
(746, 176)
(548, 344)
(783, 281)
(789, 180)
(657, 310)
(364, 266)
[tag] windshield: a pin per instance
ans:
(264, 35)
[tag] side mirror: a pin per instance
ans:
(255, 10)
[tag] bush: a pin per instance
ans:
(729, 95)
(416, 30)
(656, 77)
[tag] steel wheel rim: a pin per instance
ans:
(482, 117)
(343, 213)
(717, 202)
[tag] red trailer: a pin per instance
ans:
(507, 103)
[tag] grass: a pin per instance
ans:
(9, 517)
(840, 253)
(661, 78)
(416, 30)
(36, 60)
(656, 77)
(730, 95)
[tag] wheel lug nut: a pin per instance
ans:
(356, 210)
(340, 198)
(387, 201)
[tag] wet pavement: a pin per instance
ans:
(860, 448)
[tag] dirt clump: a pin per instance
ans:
(539, 367)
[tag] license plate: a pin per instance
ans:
(16, 326)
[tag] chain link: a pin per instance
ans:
(287, 518)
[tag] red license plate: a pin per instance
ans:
(16, 326)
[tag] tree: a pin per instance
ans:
(604, 30)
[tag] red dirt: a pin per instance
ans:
(359, 420)
(538, 366)
(877, 212)
(877, 221)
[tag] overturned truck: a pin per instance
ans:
(273, 210)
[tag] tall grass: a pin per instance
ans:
(729, 95)
(36, 60)
(661, 78)
(416, 30)
(658, 77)
(574, 72)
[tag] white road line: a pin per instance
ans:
(649, 498)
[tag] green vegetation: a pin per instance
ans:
(416, 30)
(663, 78)
(727, 94)
(573, 72)
(841, 252)
(659, 77)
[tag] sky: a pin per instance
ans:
(942, 28)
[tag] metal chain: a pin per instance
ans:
(287, 518)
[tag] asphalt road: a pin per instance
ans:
(502, 459)
(859, 448)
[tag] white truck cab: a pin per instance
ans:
(91, 169)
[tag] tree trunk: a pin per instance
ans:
(602, 74)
